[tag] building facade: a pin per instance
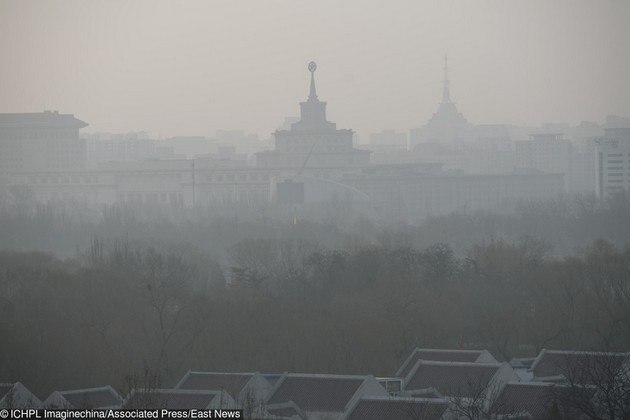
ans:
(613, 161)
(313, 141)
(40, 141)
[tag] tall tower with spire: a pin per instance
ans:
(447, 123)
(313, 141)
(313, 111)
(446, 94)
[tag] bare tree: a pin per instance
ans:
(597, 386)
(142, 389)
(166, 279)
(475, 398)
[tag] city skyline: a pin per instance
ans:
(190, 69)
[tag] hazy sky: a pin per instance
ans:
(191, 67)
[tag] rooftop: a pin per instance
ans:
(328, 393)
(397, 409)
(92, 397)
(45, 119)
(452, 378)
(232, 383)
(442, 355)
(577, 366)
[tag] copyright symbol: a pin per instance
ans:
(4, 413)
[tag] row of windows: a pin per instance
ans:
(233, 196)
(307, 148)
(239, 177)
(172, 198)
(62, 179)
(38, 135)
(66, 195)
(311, 141)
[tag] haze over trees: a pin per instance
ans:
(124, 294)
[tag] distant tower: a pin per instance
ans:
(447, 123)
(446, 94)
(312, 66)
(313, 111)
(313, 141)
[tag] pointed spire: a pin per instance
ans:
(446, 94)
(312, 96)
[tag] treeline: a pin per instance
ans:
(277, 305)
(568, 224)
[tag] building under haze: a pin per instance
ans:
(313, 141)
(40, 141)
(613, 160)
(314, 169)
(545, 152)
(129, 147)
(447, 124)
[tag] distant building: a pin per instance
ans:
(40, 141)
(584, 138)
(130, 147)
(189, 146)
(547, 152)
(242, 143)
(389, 139)
(613, 161)
(447, 124)
(388, 146)
(401, 193)
(313, 167)
(313, 141)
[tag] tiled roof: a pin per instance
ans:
(286, 410)
(452, 379)
(232, 383)
(16, 395)
(40, 119)
(397, 409)
(438, 355)
(329, 393)
(536, 398)
(174, 399)
(272, 378)
(579, 367)
(522, 363)
(4, 388)
(425, 393)
(92, 397)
